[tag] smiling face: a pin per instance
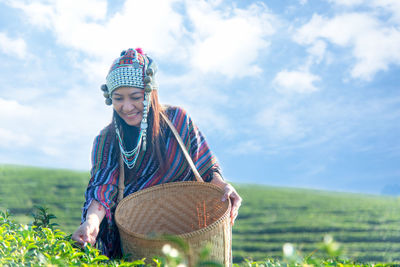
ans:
(128, 103)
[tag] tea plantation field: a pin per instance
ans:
(366, 227)
(62, 191)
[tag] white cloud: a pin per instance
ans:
(339, 122)
(199, 100)
(37, 13)
(61, 127)
(11, 139)
(88, 29)
(295, 81)
(12, 131)
(226, 42)
(391, 6)
(12, 47)
(279, 122)
(50, 14)
(347, 2)
(379, 6)
(317, 50)
(246, 148)
(190, 88)
(341, 30)
(11, 109)
(229, 42)
(209, 120)
(202, 38)
(374, 45)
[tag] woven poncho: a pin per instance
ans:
(103, 185)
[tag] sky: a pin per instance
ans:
(296, 93)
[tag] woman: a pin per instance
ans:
(150, 152)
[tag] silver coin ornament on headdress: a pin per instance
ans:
(133, 69)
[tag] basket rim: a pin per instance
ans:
(167, 185)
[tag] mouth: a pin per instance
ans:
(131, 115)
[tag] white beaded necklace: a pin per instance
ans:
(131, 156)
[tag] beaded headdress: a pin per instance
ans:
(134, 69)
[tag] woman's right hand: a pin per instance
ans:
(86, 233)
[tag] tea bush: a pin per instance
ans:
(23, 245)
(367, 226)
(42, 244)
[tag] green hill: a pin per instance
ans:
(367, 227)
(62, 191)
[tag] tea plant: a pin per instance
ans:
(42, 218)
(365, 225)
(42, 244)
(32, 245)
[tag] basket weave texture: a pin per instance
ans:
(192, 211)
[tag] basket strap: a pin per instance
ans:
(183, 147)
(121, 181)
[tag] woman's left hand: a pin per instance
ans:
(236, 201)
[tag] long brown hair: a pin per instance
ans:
(157, 135)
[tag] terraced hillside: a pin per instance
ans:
(62, 191)
(367, 227)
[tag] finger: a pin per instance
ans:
(75, 236)
(234, 214)
(80, 243)
(228, 191)
(88, 239)
(235, 209)
(78, 239)
(236, 200)
(85, 238)
(233, 218)
(235, 204)
(92, 240)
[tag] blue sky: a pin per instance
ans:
(288, 93)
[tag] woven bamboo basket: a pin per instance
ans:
(192, 211)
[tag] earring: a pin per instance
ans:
(146, 104)
(104, 88)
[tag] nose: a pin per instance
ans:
(127, 106)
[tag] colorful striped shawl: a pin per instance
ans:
(105, 171)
